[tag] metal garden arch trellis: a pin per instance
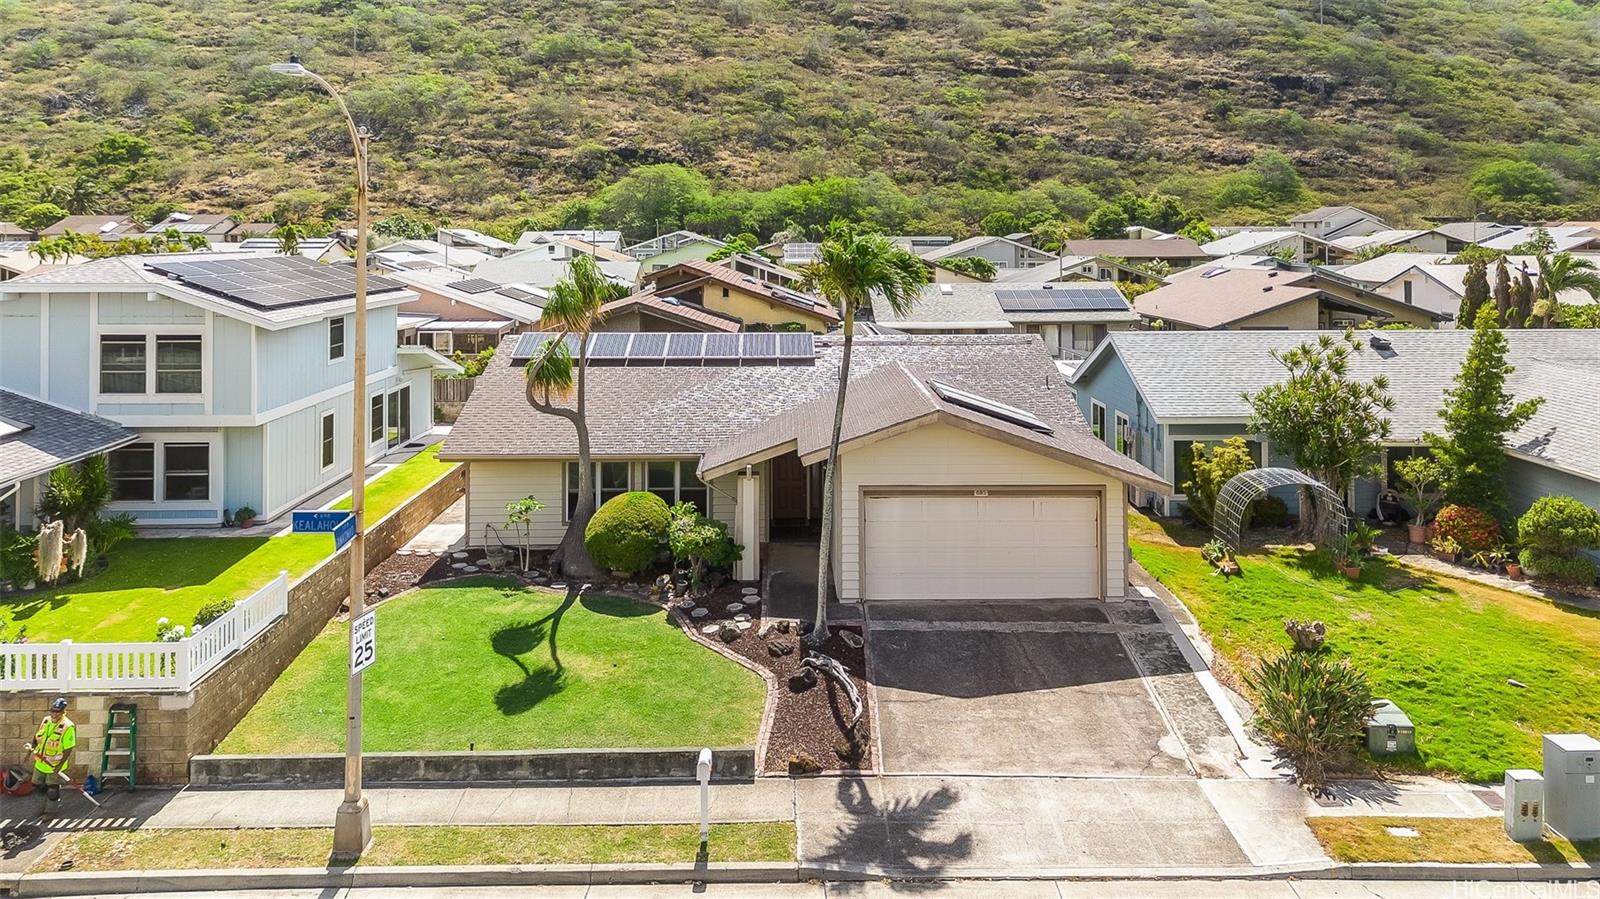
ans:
(1235, 497)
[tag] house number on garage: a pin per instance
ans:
(980, 493)
(363, 642)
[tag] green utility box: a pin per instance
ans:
(1389, 731)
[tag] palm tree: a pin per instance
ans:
(1559, 274)
(289, 236)
(573, 308)
(852, 267)
(86, 196)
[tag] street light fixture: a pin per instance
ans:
(352, 827)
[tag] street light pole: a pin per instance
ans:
(352, 826)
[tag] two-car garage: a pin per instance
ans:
(978, 544)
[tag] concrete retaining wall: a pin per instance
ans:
(554, 766)
(173, 727)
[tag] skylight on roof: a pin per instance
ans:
(991, 408)
(9, 428)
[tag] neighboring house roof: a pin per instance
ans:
(690, 411)
(1326, 213)
(1246, 241)
(997, 305)
(669, 307)
(1225, 297)
(1565, 237)
(901, 395)
(1472, 232)
(477, 238)
(532, 266)
(721, 274)
(667, 242)
(1155, 248)
(14, 231)
(1193, 374)
(184, 223)
(476, 292)
(1382, 269)
(273, 292)
(1454, 277)
(36, 437)
(946, 306)
(405, 321)
(1387, 237)
(972, 244)
(424, 253)
(103, 225)
(611, 239)
(426, 357)
(319, 248)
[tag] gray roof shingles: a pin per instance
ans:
(51, 436)
(689, 411)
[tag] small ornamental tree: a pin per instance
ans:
(1475, 294)
(1478, 413)
(1502, 293)
(1553, 532)
(1420, 480)
(626, 533)
(519, 521)
(1211, 470)
(1330, 424)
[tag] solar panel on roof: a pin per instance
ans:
(722, 347)
(796, 346)
(992, 408)
(608, 346)
(614, 348)
(758, 346)
(647, 347)
(472, 285)
(271, 282)
(517, 293)
(1062, 298)
(685, 349)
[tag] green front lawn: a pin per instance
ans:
(487, 663)
(1444, 650)
(172, 577)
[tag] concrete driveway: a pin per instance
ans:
(1016, 688)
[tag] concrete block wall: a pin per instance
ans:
(175, 727)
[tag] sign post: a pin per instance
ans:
(702, 771)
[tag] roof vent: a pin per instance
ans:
(1267, 289)
(1273, 273)
(1380, 343)
(947, 289)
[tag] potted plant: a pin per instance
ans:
(245, 516)
(1446, 548)
(1507, 556)
(1420, 479)
(1348, 557)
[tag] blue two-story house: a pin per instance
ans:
(234, 372)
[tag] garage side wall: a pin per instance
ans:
(490, 485)
(944, 456)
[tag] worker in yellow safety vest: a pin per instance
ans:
(52, 753)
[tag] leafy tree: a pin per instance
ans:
(289, 236)
(1198, 231)
(1051, 235)
(1210, 471)
(653, 199)
(1539, 244)
(404, 226)
(1420, 477)
(1330, 424)
(1475, 294)
(1507, 180)
(971, 266)
(40, 216)
(999, 224)
(853, 266)
(573, 308)
(734, 246)
(1561, 273)
(1108, 223)
(85, 196)
(1478, 413)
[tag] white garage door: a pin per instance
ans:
(980, 547)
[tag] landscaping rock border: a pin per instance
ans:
(555, 766)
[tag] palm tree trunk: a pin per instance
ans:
(572, 556)
(819, 632)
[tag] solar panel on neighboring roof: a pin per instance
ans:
(517, 293)
(269, 282)
(992, 408)
(472, 285)
(613, 348)
(1062, 298)
(14, 246)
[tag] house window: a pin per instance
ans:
(327, 440)
(610, 479)
(133, 472)
(392, 432)
(1407, 291)
(122, 363)
(405, 413)
(437, 340)
(1124, 436)
(1183, 457)
(178, 364)
(187, 472)
(375, 421)
(1083, 338)
(675, 482)
(1097, 419)
(335, 339)
(724, 293)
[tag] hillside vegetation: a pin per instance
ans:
(920, 114)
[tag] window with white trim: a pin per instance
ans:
(675, 482)
(122, 363)
(610, 479)
(133, 472)
(178, 364)
(127, 366)
(375, 419)
(327, 440)
(1124, 435)
(335, 339)
(186, 473)
(1097, 419)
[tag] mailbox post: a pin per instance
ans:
(702, 772)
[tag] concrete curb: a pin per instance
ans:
(133, 882)
(733, 765)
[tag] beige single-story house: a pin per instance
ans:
(966, 470)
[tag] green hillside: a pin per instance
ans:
(925, 114)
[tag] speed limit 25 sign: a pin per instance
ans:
(363, 642)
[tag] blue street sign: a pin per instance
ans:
(344, 533)
(319, 522)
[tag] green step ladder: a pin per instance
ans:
(121, 755)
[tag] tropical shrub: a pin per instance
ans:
(106, 534)
(971, 266)
(1211, 470)
(76, 494)
(213, 610)
(625, 533)
(1559, 525)
(701, 543)
(1472, 530)
(1312, 707)
(16, 555)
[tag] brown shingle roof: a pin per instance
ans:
(690, 411)
(699, 319)
(1223, 298)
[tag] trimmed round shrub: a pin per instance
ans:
(1559, 525)
(213, 610)
(626, 532)
(1572, 569)
(1474, 530)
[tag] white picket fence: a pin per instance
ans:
(143, 666)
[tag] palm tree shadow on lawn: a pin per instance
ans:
(517, 640)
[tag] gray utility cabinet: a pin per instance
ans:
(1389, 730)
(1572, 785)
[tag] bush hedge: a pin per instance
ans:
(1473, 530)
(1559, 525)
(1572, 569)
(626, 533)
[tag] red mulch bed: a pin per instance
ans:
(808, 730)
